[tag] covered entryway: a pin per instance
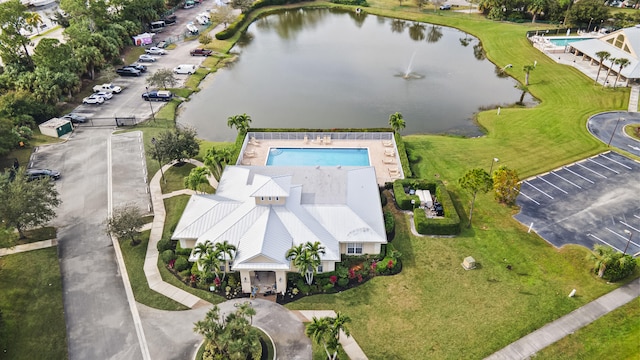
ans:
(262, 282)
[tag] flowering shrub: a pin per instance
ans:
(333, 279)
(172, 263)
(360, 278)
(390, 264)
(352, 274)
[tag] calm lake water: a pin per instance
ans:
(334, 69)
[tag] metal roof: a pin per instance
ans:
(632, 40)
(326, 204)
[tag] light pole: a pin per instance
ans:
(153, 116)
(614, 130)
(589, 27)
(495, 160)
(155, 145)
(628, 241)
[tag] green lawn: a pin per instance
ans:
(619, 330)
(32, 324)
(134, 261)
(174, 177)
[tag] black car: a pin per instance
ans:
(75, 118)
(138, 67)
(37, 174)
(170, 20)
(157, 95)
(127, 71)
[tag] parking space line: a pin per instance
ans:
(629, 226)
(636, 216)
(525, 195)
(604, 166)
(625, 238)
(593, 171)
(553, 185)
(576, 174)
(617, 162)
(604, 242)
(567, 180)
(542, 192)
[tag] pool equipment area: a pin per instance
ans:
(283, 156)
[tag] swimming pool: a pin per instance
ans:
(564, 41)
(318, 156)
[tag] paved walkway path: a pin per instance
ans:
(633, 98)
(151, 270)
(568, 324)
(28, 247)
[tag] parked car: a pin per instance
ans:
(104, 94)
(37, 174)
(445, 7)
(146, 58)
(170, 19)
(201, 52)
(93, 99)
(185, 69)
(138, 67)
(189, 4)
(127, 71)
(157, 95)
(107, 87)
(162, 44)
(155, 51)
(75, 118)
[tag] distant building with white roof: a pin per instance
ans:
(623, 43)
(266, 210)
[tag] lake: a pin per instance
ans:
(327, 69)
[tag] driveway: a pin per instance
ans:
(593, 201)
(99, 322)
(608, 127)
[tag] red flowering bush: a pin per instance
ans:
(360, 278)
(352, 274)
(216, 281)
(390, 264)
(333, 279)
(172, 263)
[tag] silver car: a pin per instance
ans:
(146, 58)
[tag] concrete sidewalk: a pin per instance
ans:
(568, 324)
(28, 247)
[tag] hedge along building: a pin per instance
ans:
(266, 210)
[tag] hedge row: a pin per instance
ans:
(404, 160)
(450, 225)
(403, 199)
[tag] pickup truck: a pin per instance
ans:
(157, 95)
(202, 52)
(108, 88)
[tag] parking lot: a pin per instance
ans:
(129, 102)
(593, 201)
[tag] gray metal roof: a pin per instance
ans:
(331, 205)
(592, 46)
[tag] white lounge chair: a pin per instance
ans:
(245, 162)
(250, 153)
(253, 141)
(387, 143)
(389, 152)
(393, 170)
(327, 140)
(388, 161)
(306, 139)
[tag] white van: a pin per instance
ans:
(157, 26)
(185, 69)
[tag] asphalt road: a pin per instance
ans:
(604, 125)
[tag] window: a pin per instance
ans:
(354, 248)
(269, 198)
(319, 269)
(619, 41)
(277, 198)
(262, 198)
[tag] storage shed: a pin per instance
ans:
(56, 127)
(143, 39)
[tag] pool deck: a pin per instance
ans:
(388, 167)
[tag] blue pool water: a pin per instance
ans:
(566, 41)
(318, 156)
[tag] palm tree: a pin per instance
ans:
(326, 331)
(603, 257)
(33, 19)
(602, 56)
(210, 262)
(245, 309)
(203, 248)
(622, 63)
(306, 258)
(197, 177)
(216, 159)
(536, 7)
(606, 78)
(240, 122)
(527, 69)
(227, 253)
(396, 121)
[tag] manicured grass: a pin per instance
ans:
(24, 154)
(319, 353)
(175, 179)
(436, 308)
(631, 130)
(33, 324)
(134, 261)
(619, 330)
(34, 235)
